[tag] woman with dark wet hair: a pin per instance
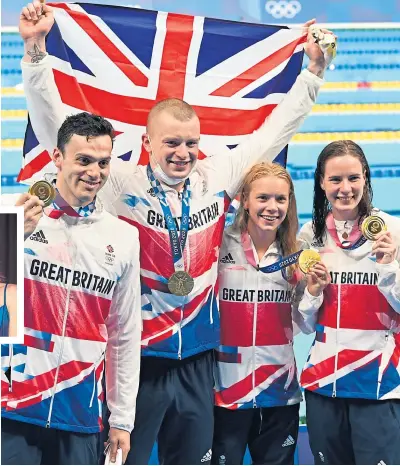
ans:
(352, 375)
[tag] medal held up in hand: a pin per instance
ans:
(372, 226)
(327, 42)
(308, 258)
(44, 191)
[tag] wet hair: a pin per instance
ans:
(287, 231)
(83, 124)
(178, 108)
(321, 206)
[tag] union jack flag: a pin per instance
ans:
(118, 62)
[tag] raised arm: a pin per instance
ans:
(44, 104)
(124, 326)
(275, 133)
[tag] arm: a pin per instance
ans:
(310, 297)
(11, 302)
(264, 144)
(387, 266)
(123, 352)
(305, 308)
(44, 104)
(33, 211)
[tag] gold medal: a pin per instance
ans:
(308, 258)
(44, 191)
(180, 283)
(372, 226)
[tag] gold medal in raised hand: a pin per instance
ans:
(180, 283)
(44, 191)
(372, 226)
(326, 41)
(308, 258)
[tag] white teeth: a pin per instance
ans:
(266, 217)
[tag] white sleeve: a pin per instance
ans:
(124, 326)
(264, 144)
(47, 113)
(46, 110)
(305, 309)
(389, 283)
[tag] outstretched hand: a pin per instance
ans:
(318, 62)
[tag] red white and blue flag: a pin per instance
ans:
(119, 61)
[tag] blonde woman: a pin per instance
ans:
(257, 394)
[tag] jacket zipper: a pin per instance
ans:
(337, 337)
(254, 339)
(63, 331)
(380, 374)
(11, 358)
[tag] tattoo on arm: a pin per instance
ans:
(36, 54)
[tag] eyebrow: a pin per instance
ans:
(340, 176)
(275, 195)
(174, 138)
(92, 158)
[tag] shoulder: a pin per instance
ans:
(120, 229)
(306, 232)
(392, 222)
(11, 294)
(231, 236)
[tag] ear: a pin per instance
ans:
(57, 158)
(146, 142)
(322, 183)
(245, 202)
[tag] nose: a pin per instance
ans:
(93, 172)
(345, 186)
(271, 205)
(182, 151)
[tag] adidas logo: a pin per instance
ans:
(228, 259)
(39, 236)
(206, 457)
(289, 441)
(321, 456)
(381, 462)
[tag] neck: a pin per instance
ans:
(346, 215)
(262, 240)
(72, 200)
(178, 187)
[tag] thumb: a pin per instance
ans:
(22, 199)
(46, 9)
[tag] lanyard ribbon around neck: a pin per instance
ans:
(178, 242)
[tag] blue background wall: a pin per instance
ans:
(254, 10)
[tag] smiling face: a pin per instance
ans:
(174, 144)
(267, 203)
(83, 168)
(343, 182)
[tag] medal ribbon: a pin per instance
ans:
(353, 238)
(276, 266)
(61, 207)
(177, 241)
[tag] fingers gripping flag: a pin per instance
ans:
(118, 62)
